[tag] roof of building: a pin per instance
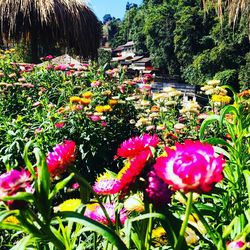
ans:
(130, 43)
(143, 60)
(119, 48)
(136, 58)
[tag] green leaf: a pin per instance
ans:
(60, 185)
(95, 226)
(23, 243)
(10, 226)
(26, 159)
(20, 196)
(217, 141)
(206, 122)
(246, 174)
(42, 185)
(228, 229)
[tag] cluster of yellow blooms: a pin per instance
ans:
(103, 108)
(225, 99)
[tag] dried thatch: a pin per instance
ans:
(69, 23)
(234, 8)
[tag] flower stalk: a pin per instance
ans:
(185, 222)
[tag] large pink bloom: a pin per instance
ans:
(192, 166)
(95, 212)
(61, 158)
(133, 146)
(13, 182)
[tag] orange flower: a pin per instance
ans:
(75, 99)
(113, 102)
(87, 94)
(155, 108)
(85, 101)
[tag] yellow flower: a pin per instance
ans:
(221, 98)
(87, 94)
(69, 205)
(75, 99)
(85, 101)
(159, 237)
(101, 109)
(106, 92)
(12, 219)
(134, 203)
(158, 232)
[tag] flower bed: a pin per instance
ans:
(89, 160)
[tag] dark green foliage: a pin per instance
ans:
(244, 73)
(182, 40)
(104, 56)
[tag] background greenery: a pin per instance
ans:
(183, 40)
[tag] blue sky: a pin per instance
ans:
(116, 8)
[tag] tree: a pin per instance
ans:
(159, 27)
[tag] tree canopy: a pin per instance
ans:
(183, 38)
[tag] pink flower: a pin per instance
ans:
(59, 124)
(61, 67)
(96, 83)
(95, 118)
(13, 182)
(133, 146)
(61, 158)
(191, 167)
(95, 212)
(75, 185)
(234, 245)
(49, 57)
(106, 185)
(104, 124)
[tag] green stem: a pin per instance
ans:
(184, 223)
(149, 229)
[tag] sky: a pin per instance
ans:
(116, 8)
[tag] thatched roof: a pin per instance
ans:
(234, 8)
(69, 23)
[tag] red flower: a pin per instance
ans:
(131, 170)
(135, 145)
(192, 166)
(61, 158)
(59, 124)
